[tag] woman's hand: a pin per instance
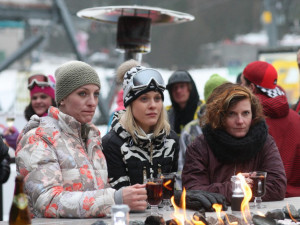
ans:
(248, 179)
(135, 197)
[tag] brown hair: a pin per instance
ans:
(225, 96)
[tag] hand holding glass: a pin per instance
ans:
(259, 187)
(154, 194)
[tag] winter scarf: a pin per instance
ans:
(229, 149)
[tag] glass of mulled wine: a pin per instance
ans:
(258, 187)
(154, 194)
(168, 189)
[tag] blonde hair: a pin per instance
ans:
(129, 124)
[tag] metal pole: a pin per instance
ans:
(269, 22)
(68, 25)
(133, 55)
(27, 46)
(67, 22)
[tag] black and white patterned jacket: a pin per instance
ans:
(127, 160)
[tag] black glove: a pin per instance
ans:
(198, 199)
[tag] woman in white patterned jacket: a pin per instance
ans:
(60, 155)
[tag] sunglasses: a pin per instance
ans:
(39, 80)
(143, 78)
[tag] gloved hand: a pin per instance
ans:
(198, 199)
(11, 134)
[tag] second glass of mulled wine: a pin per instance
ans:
(168, 189)
(259, 187)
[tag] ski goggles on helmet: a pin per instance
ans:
(39, 80)
(143, 78)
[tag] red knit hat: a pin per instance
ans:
(264, 76)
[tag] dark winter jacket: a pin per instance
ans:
(284, 126)
(4, 162)
(178, 117)
(127, 160)
(211, 170)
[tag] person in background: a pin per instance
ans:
(283, 123)
(238, 79)
(120, 106)
(4, 162)
(42, 95)
(140, 143)
(185, 100)
(60, 155)
(235, 140)
(193, 129)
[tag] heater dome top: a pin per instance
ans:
(111, 14)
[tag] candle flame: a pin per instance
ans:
(179, 214)
(247, 197)
(218, 209)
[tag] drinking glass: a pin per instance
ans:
(168, 189)
(154, 194)
(259, 187)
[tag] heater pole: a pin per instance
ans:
(133, 55)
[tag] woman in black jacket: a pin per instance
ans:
(140, 143)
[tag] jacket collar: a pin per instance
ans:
(228, 149)
(277, 107)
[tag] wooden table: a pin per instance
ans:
(166, 214)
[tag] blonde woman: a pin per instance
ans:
(140, 143)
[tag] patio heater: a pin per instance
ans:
(134, 25)
(133, 31)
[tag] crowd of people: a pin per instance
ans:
(71, 170)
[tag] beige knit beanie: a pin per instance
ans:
(73, 75)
